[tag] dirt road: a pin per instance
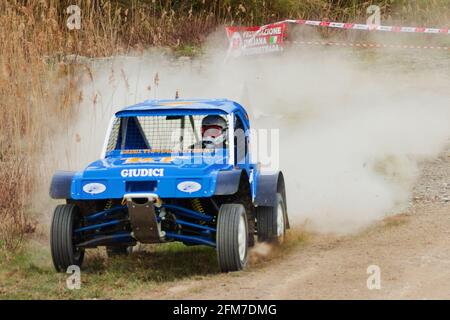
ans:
(412, 251)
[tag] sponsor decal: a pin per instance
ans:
(189, 186)
(158, 151)
(178, 103)
(148, 160)
(94, 188)
(255, 40)
(138, 160)
(130, 173)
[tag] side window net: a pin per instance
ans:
(114, 135)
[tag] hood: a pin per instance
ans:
(168, 176)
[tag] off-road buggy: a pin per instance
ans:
(159, 180)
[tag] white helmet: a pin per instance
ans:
(214, 129)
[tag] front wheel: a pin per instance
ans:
(66, 219)
(231, 237)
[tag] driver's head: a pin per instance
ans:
(214, 129)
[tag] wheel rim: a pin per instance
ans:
(280, 221)
(242, 238)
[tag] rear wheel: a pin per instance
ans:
(232, 237)
(66, 219)
(271, 221)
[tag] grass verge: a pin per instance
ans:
(29, 274)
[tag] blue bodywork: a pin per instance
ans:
(131, 167)
(184, 106)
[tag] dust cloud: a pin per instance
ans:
(353, 125)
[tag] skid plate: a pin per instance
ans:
(143, 222)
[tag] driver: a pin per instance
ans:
(214, 132)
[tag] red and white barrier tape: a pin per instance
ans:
(356, 26)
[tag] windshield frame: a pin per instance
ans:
(229, 118)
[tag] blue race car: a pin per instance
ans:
(170, 170)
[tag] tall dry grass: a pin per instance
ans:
(38, 89)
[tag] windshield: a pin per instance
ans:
(166, 134)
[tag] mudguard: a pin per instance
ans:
(227, 182)
(269, 184)
(60, 187)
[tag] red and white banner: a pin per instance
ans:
(256, 40)
(271, 38)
